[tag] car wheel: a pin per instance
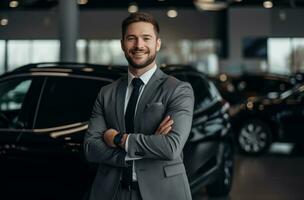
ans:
(223, 184)
(254, 137)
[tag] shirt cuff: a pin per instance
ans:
(127, 158)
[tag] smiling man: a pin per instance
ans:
(140, 124)
(140, 45)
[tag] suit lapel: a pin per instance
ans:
(120, 102)
(149, 90)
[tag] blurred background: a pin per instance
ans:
(251, 50)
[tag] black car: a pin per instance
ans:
(236, 89)
(44, 113)
(260, 121)
(297, 77)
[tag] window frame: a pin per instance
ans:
(47, 77)
(30, 101)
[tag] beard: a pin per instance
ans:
(148, 61)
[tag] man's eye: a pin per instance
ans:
(146, 39)
(130, 39)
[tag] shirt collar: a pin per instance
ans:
(145, 77)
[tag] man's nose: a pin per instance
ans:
(139, 43)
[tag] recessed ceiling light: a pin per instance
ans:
(82, 2)
(132, 8)
(223, 77)
(13, 4)
(3, 22)
(172, 13)
(210, 5)
(268, 4)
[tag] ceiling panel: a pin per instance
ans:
(151, 4)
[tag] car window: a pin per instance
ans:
(204, 92)
(67, 100)
(12, 95)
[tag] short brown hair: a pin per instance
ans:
(139, 17)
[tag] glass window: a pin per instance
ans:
(2, 54)
(12, 95)
(67, 100)
(81, 51)
(279, 50)
(44, 50)
(21, 52)
(298, 54)
(106, 52)
(202, 54)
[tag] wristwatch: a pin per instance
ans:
(117, 139)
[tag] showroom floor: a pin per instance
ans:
(277, 175)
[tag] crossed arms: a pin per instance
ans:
(166, 144)
(163, 129)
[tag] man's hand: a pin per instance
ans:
(108, 137)
(165, 126)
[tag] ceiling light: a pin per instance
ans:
(172, 13)
(223, 77)
(238, 0)
(132, 8)
(212, 5)
(268, 4)
(82, 2)
(3, 22)
(13, 4)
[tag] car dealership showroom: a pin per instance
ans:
(243, 58)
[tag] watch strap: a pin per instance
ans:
(117, 139)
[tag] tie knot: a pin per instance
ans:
(137, 82)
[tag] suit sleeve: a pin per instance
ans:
(95, 148)
(170, 146)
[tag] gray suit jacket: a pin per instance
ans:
(161, 173)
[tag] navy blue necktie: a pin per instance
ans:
(129, 121)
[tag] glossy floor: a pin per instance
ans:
(278, 175)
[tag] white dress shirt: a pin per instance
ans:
(145, 79)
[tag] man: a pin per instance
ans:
(140, 124)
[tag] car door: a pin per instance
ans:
(292, 118)
(18, 102)
(199, 153)
(61, 120)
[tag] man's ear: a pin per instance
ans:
(158, 44)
